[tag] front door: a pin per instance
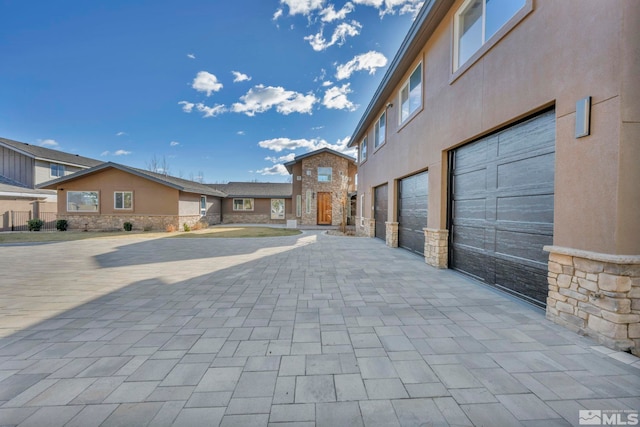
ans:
(324, 209)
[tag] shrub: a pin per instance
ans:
(170, 228)
(62, 225)
(128, 226)
(35, 224)
(199, 226)
(186, 227)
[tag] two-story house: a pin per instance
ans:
(503, 143)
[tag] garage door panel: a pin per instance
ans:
(412, 211)
(537, 208)
(502, 201)
(380, 211)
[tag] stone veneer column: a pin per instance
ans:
(368, 227)
(596, 294)
(391, 234)
(436, 247)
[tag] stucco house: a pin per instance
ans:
(323, 181)
(503, 143)
(24, 166)
(255, 202)
(106, 196)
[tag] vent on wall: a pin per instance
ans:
(308, 172)
(298, 178)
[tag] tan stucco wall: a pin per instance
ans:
(148, 197)
(559, 53)
(190, 205)
(261, 211)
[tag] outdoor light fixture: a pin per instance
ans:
(583, 117)
(389, 105)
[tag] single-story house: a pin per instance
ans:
(255, 202)
(108, 195)
(502, 142)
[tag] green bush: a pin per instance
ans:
(62, 225)
(186, 227)
(128, 226)
(35, 224)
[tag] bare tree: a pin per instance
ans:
(344, 199)
(158, 166)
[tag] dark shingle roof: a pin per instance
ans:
(289, 165)
(10, 186)
(170, 181)
(255, 189)
(49, 154)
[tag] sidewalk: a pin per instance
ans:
(289, 331)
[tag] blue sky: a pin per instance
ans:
(223, 90)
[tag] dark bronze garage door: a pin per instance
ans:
(502, 207)
(412, 211)
(381, 195)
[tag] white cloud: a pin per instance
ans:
(216, 110)
(261, 98)
(281, 144)
(303, 7)
(369, 61)
(104, 153)
(122, 153)
(174, 143)
(191, 56)
(329, 13)
(336, 98)
(48, 143)
(206, 82)
(121, 133)
(319, 43)
(187, 107)
(282, 159)
(390, 6)
(240, 132)
(277, 14)
(327, 83)
(273, 170)
(240, 77)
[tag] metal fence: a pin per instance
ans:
(17, 220)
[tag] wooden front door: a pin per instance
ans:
(324, 209)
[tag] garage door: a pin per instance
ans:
(502, 207)
(412, 211)
(381, 195)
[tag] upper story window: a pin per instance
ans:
(476, 22)
(363, 150)
(242, 204)
(123, 200)
(411, 94)
(324, 174)
(57, 170)
(203, 205)
(380, 130)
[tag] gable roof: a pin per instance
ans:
(256, 189)
(170, 181)
(289, 165)
(426, 22)
(42, 153)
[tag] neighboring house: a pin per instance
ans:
(255, 202)
(106, 196)
(323, 181)
(22, 168)
(503, 143)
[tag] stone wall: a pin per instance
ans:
(140, 222)
(436, 247)
(253, 218)
(597, 295)
(366, 228)
(391, 235)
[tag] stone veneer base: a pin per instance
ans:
(597, 295)
(391, 234)
(436, 247)
(140, 222)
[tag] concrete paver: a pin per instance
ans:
(300, 330)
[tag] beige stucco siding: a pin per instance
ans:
(559, 53)
(43, 171)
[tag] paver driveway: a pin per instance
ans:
(302, 330)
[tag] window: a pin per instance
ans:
(363, 150)
(203, 205)
(411, 94)
(57, 170)
(476, 22)
(123, 200)
(380, 131)
(82, 201)
(362, 210)
(299, 205)
(324, 174)
(307, 202)
(277, 208)
(242, 204)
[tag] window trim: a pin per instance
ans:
(58, 166)
(324, 174)
(412, 114)
(376, 131)
(243, 203)
(362, 210)
(363, 153)
(489, 44)
(122, 208)
(203, 211)
(298, 205)
(97, 210)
